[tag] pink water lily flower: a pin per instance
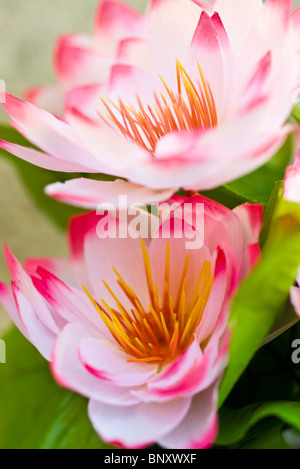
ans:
(83, 61)
(145, 337)
(203, 102)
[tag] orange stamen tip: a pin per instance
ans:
(192, 106)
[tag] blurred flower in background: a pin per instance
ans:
(83, 59)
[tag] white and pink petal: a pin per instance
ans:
(139, 425)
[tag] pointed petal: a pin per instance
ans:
(43, 160)
(8, 302)
(115, 21)
(85, 99)
(198, 429)
(51, 134)
(109, 362)
(25, 285)
(136, 426)
(206, 50)
(70, 372)
(171, 27)
(70, 303)
(79, 62)
(90, 194)
(38, 333)
(238, 17)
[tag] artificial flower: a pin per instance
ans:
(203, 102)
(82, 62)
(139, 326)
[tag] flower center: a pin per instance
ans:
(191, 107)
(165, 330)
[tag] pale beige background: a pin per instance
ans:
(28, 29)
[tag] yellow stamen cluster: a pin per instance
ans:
(166, 329)
(192, 107)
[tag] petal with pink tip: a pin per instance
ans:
(8, 301)
(39, 334)
(172, 24)
(136, 426)
(179, 379)
(209, 146)
(250, 216)
(238, 17)
(176, 154)
(115, 21)
(251, 256)
(84, 99)
(206, 50)
(217, 297)
(270, 32)
(217, 218)
(59, 267)
(70, 372)
(162, 173)
(51, 134)
(199, 427)
(72, 304)
(247, 163)
(79, 62)
(110, 363)
(258, 82)
(193, 371)
(43, 160)
(90, 194)
(24, 283)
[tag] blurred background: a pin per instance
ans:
(28, 30)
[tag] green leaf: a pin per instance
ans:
(268, 439)
(234, 426)
(225, 196)
(35, 412)
(262, 297)
(257, 186)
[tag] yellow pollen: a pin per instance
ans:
(164, 330)
(191, 107)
